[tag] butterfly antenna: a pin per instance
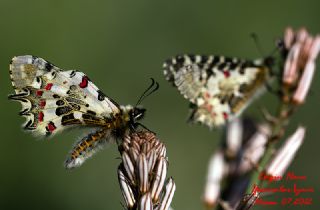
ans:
(269, 59)
(278, 48)
(142, 95)
(255, 38)
(148, 91)
(279, 45)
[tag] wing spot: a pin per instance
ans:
(39, 92)
(72, 74)
(226, 74)
(55, 96)
(50, 127)
(91, 112)
(49, 66)
(48, 86)
(225, 115)
(241, 71)
(233, 65)
(101, 95)
(69, 119)
(84, 82)
(222, 66)
(62, 110)
(192, 58)
(60, 103)
(38, 79)
(24, 112)
(40, 116)
(28, 125)
(42, 103)
(180, 59)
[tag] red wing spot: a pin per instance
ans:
(39, 92)
(226, 74)
(48, 86)
(42, 103)
(51, 127)
(40, 116)
(225, 115)
(84, 82)
(207, 95)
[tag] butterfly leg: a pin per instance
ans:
(143, 126)
(270, 89)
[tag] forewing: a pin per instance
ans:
(218, 87)
(53, 99)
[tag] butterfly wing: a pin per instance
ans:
(219, 88)
(53, 99)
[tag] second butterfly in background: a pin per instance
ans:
(219, 88)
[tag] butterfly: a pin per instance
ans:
(53, 100)
(219, 88)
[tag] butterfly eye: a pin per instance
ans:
(269, 61)
(138, 113)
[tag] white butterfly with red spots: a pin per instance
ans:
(53, 99)
(219, 88)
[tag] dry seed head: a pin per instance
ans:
(142, 173)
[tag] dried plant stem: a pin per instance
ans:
(278, 126)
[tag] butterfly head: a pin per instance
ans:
(136, 114)
(280, 48)
(269, 61)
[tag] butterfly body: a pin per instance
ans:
(114, 129)
(53, 100)
(219, 88)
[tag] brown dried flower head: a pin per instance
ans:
(142, 173)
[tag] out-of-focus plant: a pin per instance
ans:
(249, 146)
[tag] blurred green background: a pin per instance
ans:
(120, 45)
